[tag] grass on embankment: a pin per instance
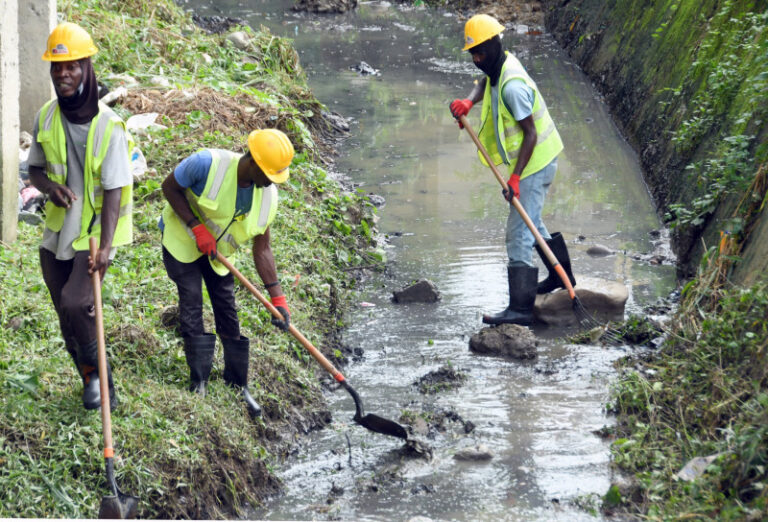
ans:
(704, 394)
(182, 456)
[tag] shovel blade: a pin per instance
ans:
(382, 425)
(118, 507)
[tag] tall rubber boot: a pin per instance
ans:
(88, 364)
(236, 370)
(522, 295)
(553, 281)
(199, 350)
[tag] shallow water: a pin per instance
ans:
(444, 220)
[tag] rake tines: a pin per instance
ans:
(587, 321)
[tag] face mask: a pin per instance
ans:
(493, 58)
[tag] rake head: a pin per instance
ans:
(587, 321)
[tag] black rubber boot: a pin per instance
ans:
(522, 295)
(236, 370)
(553, 281)
(88, 364)
(199, 351)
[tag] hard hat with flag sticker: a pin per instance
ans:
(480, 28)
(69, 42)
(273, 152)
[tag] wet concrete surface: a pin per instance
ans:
(442, 219)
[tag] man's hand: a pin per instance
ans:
(513, 188)
(99, 263)
(281, 304)
(206, 243)
(461, 108)
(60, 195)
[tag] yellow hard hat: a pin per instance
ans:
(272, 151)
(68, 42)
(480, 28)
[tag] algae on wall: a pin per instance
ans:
(686, 82)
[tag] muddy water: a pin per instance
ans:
(444, 220)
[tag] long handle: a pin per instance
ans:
(520, 210)
(325, 363)
(106, 414)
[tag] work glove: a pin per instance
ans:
(206, 243)
(281, 304)
(460, 108)
(513, 188)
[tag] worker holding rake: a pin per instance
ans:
(79, 159)
(517, 130)
(216, 201)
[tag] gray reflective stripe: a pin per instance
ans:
(98, 191)
(98, 135)
(218, 179)
(125, 210)
(268, 194)
(227, 238)
(541, 136)
(56, 168)
(49, 116)
(515, 129)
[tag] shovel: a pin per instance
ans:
(370, 421)
(118, 505)
(584, 318)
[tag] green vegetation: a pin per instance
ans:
(705, 394)
(184, 457)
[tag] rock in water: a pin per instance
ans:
(507, 340)
(422, 291)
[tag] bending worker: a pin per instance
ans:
(79, 159)
(517, 130)
(218, 200)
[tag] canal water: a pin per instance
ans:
(443, 220)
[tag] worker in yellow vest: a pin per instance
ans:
(79, 159)
(218, 200)
(517, 130)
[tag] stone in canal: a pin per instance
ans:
(422, 291)
(603, 299)
(479, 453)
(507, 340)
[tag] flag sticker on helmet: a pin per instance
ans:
(60, 49)
(470, 41)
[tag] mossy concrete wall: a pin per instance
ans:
(679, 77)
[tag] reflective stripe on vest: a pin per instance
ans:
(53, 142)
(215, 208)
(548, 143)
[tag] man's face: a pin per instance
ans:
(66, 77)
(256, 175)
(477, 56)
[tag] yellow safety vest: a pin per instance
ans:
(548, 145)
(54, 143)
(215, 208)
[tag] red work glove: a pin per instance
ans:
(513, 188)
(205, 241)
(281, 304)
(460, 108)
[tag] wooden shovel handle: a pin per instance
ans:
(325, 363)
(520, 210)
(106, 414)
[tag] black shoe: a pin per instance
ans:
(522, 296)
(553, 281)
(88, 364)
(236, 370)
(199, 351)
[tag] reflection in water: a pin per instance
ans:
(445, 217)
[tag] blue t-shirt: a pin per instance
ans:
(192, 173)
